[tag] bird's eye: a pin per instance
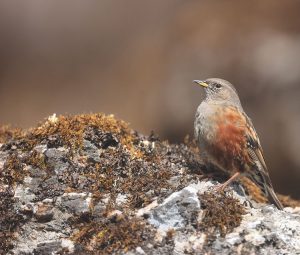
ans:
(218, 86)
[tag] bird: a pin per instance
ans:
(227, 138)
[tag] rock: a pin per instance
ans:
(265, 229)
(75, 203)
(48, 247)
(91, 151)
(55, 158)
(88, 184)
(43, 212)
(176, 210)
(23, 193)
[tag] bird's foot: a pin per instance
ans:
(220, 187)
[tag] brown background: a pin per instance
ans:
(137, 59)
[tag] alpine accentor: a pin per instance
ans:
(227, 138)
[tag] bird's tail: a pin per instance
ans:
(273, 198)
(262, 180)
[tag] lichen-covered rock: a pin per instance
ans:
(177, 210)
(88, 184)
(262, 229)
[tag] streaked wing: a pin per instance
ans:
(259, 173)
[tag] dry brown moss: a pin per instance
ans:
(288, 201)
(10, 219)
(114, 236)
(136, 182)
(7, 133)
(126, 165)
(71, 130)
(222, 213)
(36, 159)
(13, 170)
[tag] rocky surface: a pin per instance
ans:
(88, 184)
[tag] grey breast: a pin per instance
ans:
(204, 130)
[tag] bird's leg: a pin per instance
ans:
(225, 184)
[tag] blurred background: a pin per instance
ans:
(137, 59)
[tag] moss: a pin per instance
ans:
(71, 129)
(114, 236)
(7, 133)
(13, 170)
(169, 239)
(288, 201)
(36, 159)
(10, 219)
(126, 166)
(121, 162)
(222, 213)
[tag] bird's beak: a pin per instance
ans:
(201, 83)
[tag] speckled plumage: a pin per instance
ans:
(227, 138)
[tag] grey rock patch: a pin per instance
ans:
(3, 157)
(40, 148)
(42, 236)
(91, 151)
(75, 203)
(260, 228)
(23, 193)
(55, 159)
(121, 199)
(176, 209)
(184, 244)
(48, 247)
(263, 230)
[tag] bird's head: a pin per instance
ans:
(219, 91)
